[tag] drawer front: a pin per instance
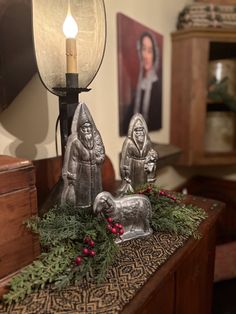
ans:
(18, 253)
(13, 180)
(18, 246)
(194, 278)
(162, 301)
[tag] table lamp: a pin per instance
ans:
(69, 40)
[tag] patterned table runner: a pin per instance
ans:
(138, 260)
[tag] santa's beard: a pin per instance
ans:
(87, 140)
(140, 139)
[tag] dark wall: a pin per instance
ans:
(17, 60)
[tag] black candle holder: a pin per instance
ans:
(68, 101)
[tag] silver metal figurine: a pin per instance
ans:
(138, 159)
(132, 211)
(84, 156)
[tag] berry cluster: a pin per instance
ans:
(115, 228)
(87, 251)
(149, 189)
(163, 193)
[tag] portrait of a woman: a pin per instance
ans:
(145, 82)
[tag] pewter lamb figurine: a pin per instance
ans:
(132, 211)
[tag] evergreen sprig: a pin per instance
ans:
(42, 271)
(63, 230)
(170, 214)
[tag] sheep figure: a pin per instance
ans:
(132, 211)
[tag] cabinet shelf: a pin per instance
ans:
(192, 50)
(217, 106)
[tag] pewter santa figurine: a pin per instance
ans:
(138, 159)
(84, 156)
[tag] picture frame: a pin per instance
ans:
(140, 52)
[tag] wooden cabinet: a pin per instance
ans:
(18, 202)
(184, 283)
(192, 50)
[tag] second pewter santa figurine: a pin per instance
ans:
(85, 153)
(138, 158)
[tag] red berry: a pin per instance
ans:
(119, 226)
(109, 219)
(78, 260)
(116, 225)
(91, 243)
(121, 231)
(92, 253)
(86, 240)
(109, 227)
(113, 230)
(85, 251)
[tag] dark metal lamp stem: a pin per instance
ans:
(67, 105)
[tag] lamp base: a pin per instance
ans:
(70, 90)
(68, 102)
(72, 80)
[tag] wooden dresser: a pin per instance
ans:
(18, 202)
(184, 284)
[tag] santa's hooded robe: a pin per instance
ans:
(134, 157)
(82, 165)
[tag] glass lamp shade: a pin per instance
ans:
(50, 41)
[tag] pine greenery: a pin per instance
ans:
(63, 230)
(170, 214)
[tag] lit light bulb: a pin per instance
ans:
(70, 28)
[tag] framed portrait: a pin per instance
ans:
(140, 73)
